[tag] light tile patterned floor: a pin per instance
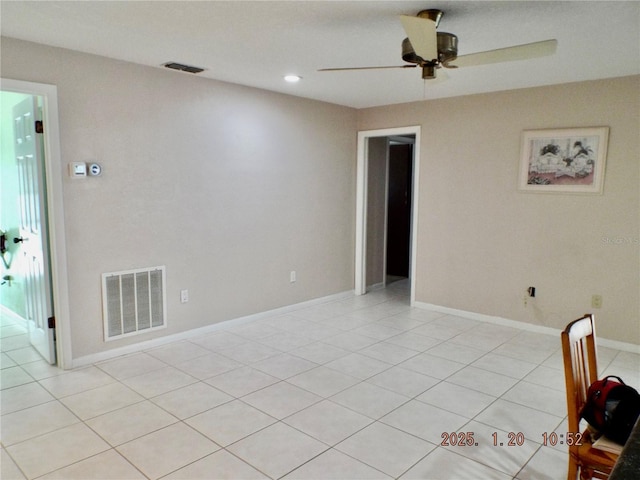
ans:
(363, 388)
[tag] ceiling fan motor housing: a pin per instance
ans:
(447, 50)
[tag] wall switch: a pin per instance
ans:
(184, 296)
(596, 301)
(292, 276)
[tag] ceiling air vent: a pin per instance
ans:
(183, 68)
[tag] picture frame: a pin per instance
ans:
(566, 160)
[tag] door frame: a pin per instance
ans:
(361, 203)
(55, 210)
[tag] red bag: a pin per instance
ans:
(612, 408)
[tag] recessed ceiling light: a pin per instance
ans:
(292, 78)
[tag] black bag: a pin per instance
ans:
(612, 408)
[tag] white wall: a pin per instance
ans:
(481, 242)
(230, 187)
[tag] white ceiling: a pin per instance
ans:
(255, 43)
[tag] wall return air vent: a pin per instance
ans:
(133, 302)
(182, 67)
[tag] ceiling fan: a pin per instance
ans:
(429, 49)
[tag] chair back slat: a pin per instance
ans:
(580, 363)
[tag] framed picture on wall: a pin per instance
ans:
(568, 160)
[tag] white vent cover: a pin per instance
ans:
(133, 302)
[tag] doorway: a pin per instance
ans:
(399, 189)
(34, 260)
(386, 207)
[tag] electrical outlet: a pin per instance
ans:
(184, 296)
(529, 293)
(596, 301)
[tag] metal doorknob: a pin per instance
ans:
(19, 240)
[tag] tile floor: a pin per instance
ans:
(363, 388)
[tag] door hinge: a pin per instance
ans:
(39, 126)
(52, 322)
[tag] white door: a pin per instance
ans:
(33, 232)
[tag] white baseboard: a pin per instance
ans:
(13, 315)
(623, 346)
(145, 345)
(605, 342)
(157, 342)
(489, 319)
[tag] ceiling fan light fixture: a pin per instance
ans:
(429, 71)
(447, 47)
(408, 53)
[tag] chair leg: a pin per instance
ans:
(573, 469)
(586, 473)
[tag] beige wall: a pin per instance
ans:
(230, 187)
(481, 242)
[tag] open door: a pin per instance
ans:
(33, 228)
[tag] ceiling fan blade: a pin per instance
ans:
(422, 35)
(508, 54)
(364, 68)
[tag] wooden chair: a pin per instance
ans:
(580, 371)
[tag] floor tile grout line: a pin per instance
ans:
(527, 462)
(15, 462)
(111, 448)
(339, 451)
(485, 464)
(457, 452)
(48, 432)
